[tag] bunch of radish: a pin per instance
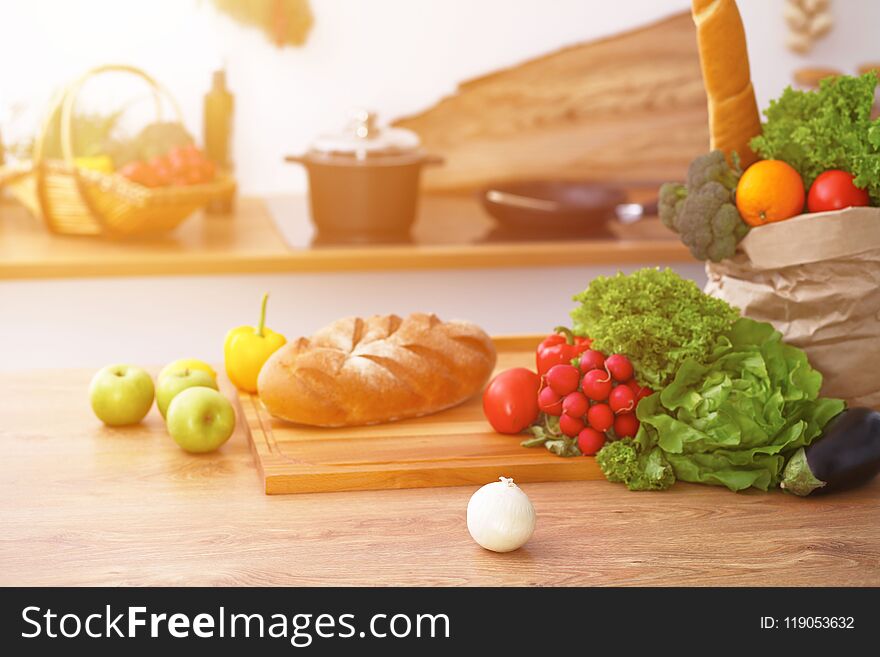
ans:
(595, 400)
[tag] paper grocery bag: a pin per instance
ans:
(816, 278)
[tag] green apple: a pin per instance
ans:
(121, 394)
(186, 364)
(177, 381)
(200, 419)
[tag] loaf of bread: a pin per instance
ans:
(724, 59)
(366, 371)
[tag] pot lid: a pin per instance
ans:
(363, 137)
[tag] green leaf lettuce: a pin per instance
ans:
(734, 420)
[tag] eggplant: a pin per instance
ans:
(846, 455)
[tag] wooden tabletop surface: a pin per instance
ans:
(85, 505)
(276, 236)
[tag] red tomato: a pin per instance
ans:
(510, 402)
(834, 190)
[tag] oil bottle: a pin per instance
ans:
(219, 106)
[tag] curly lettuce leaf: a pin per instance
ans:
(655, 317)
(829, 128)
(626, 461)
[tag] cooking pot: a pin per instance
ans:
(364, 181)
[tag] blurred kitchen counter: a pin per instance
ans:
(275, 236)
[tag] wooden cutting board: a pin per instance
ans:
(452, 448)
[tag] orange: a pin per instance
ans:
(769, 190)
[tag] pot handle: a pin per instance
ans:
(297, 159)
(433, 160)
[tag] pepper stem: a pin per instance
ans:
(564, 330)
(262, 325)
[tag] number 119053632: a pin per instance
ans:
(808, 623)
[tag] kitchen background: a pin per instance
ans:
(396, 57)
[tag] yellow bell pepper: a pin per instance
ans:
(246, 349)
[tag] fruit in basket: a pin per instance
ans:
(159, 138)
(141, 173)
(835, 190)
(100, 163)
(769, 190)
(121, 394)
(180, 166)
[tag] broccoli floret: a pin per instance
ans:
(713, 167)
(672, 196)
(703, 211)
(622, 462)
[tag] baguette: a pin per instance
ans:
(724, 59)
(366, 371)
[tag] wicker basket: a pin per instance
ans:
(75, 201)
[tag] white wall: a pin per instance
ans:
(396, 56)
(94, 322)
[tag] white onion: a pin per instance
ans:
(500, 517)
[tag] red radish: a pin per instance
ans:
(571, 426)
(563, 379)
(590, 441)
(592, 360)
(550, 402)
(619, 367)
(622, 399)
(626, 425)
(640, 391)
(596, 385)
(575, 404)
(600, 417)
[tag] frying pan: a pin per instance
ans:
(585, 208)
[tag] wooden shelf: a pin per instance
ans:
(275, 236)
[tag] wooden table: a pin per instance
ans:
(84, 505)
(276, 236)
